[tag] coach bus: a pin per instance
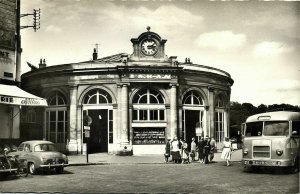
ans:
(272, 139)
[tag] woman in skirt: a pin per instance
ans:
(175, 150)
(227, 150)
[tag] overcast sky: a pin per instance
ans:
(257, 43)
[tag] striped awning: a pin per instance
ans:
(12, 95)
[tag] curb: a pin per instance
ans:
(143, 163)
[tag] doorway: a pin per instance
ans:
(98, 140)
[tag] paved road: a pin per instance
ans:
(191, 178)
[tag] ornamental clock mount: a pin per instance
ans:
(148, 46)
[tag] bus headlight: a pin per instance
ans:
(245, 151)
(279, 152)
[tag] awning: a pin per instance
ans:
(12, 95)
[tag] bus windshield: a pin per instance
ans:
(276, 128)
(254, 129)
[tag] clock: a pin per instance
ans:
(149, 47)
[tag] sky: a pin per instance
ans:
(256, 42)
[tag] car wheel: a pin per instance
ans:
(32, 169)
(59, 170)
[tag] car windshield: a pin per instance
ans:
(276, 128)
(254, 129)
(44, 148)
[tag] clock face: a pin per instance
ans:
(149, 47)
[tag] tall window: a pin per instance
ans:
(57, 119)
(192, 115)
(98, 97)
(219, 118)
(148, 105)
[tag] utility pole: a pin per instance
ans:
(36, 25)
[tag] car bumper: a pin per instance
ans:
(9, 170)
(248, 162)
(53, 165)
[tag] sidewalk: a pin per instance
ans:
(104, 158)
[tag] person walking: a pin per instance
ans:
(168, 150)
(200, 150)
(227, 151)
(193, 149)
(184, 152)
(175, 150)
(206, 149)
(212, 149)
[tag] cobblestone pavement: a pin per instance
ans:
(155, 178)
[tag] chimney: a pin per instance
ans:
(42, 63)
(95, 55)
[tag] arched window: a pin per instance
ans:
(193, 98)
(57, 118)
(57, 99)
(97, 96)
(148, 105)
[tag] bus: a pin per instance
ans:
(272, 139)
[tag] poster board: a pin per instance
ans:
(144, 136)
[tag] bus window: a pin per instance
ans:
(254, 129)
(296, 128)
(276, 128)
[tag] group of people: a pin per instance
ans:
(180, 152)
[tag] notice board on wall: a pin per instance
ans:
(142, 136)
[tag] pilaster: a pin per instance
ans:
(72, 146)
(173, 110)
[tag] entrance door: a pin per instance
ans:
(98, 134)
(191, 120)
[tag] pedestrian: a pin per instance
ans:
(227, 151)
(206, 149)
(212, 149)
(184, 152)
(193, 149)
(175, 150)
(200, 149)
(167, 150)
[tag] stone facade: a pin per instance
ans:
(135, 102)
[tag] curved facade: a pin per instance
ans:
(129, 102)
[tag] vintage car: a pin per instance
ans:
(41, 155)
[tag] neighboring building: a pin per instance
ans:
(12, 98)
(133, 103)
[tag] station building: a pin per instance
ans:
(129, 103)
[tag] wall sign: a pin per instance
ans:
(150, 76)
(142, 136)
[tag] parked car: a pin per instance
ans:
(41, 155)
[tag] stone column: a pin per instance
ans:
(72, 147)
(173, 110)
(211, 130)
(124, 114)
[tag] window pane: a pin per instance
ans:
(53, 116)
(161, 115)
(60, 101)
(134, 114)
(143, 99)
(153, 114)
(92, 100)
(153, 100)
(102, 100)
(60, 115)
(296, 128)
(143, 115)
(188, 100)
(60, 126)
